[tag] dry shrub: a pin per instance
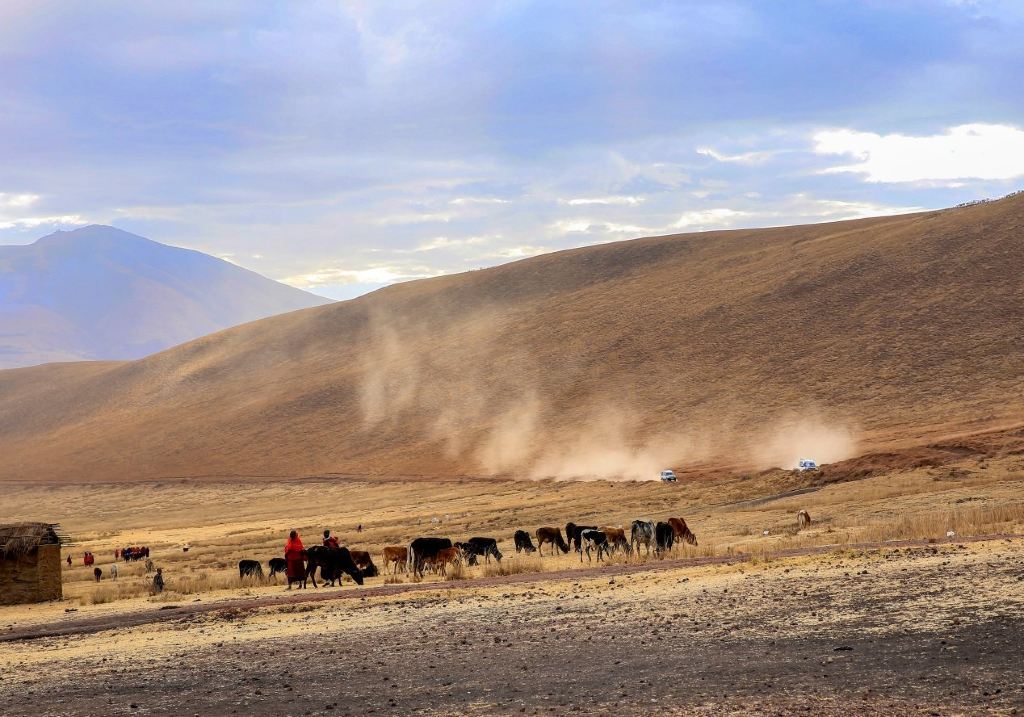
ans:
(111, 591)
(457, 571)
(393, 580)
(514, 567)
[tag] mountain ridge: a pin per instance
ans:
(737, 349)
(99, 292)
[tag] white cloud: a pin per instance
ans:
(611, 200)
(369, 275)
(574, 226)
(479, 200)
(970, 151)
(744, 158)
(17, 201)
(519, 252)
(447, 243)
(717, 218)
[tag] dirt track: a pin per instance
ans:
(927, 630)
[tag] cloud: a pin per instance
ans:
(717, 218)
(607, 201)
(744, 158)
(968, 151)
(376, 275)
(447, 243)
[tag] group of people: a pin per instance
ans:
(136, 552)
(87, 559)
(295, 554)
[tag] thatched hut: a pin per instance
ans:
(29, 563)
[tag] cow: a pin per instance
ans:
(482, 546)
(97, 573)
(616, 539)
(572, 535)
(423, 549)
(332, 563)
(553, 536)
(593, 539)
(664, 536)
(250, 568)
(277, 565)
(523, 542)
(113, 571)
(641, 533)
(397, 554)
(803, 520)
(682, 530)
(364, 562)
(441, 559)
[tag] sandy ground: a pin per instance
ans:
(929, 630)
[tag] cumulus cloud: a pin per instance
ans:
(969, 151)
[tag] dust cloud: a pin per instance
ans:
(494, 416)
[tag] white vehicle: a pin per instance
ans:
(806, 464)
(668, 476)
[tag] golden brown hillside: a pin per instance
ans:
(739, 348)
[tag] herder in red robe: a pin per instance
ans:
(295, 560)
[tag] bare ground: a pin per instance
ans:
(923, 630)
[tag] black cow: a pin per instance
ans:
(523, 542)
(332, 563)
(664, 536)
(250, 567)
(422, 548)
(277, 565)
(572, 535)
(593, 539)
(476, 547)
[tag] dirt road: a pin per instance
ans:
(930, 630)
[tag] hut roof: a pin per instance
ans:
(16, 539)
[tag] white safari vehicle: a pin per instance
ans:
(668, 476)
(806, 464)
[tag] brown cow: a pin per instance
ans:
(803, 520)
(553, 536)
(616, 539)
(397, 554)
(441, 559)
(364, 562)
(682, 530)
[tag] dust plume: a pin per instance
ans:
(806, 436)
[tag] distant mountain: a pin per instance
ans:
(102, 293)
(752, 347)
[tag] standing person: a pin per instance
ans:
(158, 581)
(330, 541)
(295, 560)
(69, 561)
(359, 528)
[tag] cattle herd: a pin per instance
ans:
(436, 554)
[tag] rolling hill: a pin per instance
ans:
(102, 293)
(741, 348)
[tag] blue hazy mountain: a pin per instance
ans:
(103, 293)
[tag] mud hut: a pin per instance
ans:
(30, 567)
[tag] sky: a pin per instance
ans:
(343, 146)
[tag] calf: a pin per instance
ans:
(364, 562)
(277, 565)
(553, 536)
(423, 549)
(803, 520)
(572, 534)
(523, 542)
(441, 559)
(593, 539)
(397, 554)
(616, 539)
(250, 568)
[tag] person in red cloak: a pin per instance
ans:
(295, 560)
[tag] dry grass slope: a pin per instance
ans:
(726, 349)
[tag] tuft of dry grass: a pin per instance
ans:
(514, 567)
(456, 571)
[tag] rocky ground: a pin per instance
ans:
(933, 630)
